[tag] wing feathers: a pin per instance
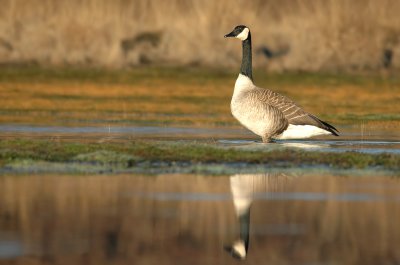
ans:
(291, 111)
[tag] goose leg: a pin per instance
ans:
(266, 139)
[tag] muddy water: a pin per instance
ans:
(269, 218)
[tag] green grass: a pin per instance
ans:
(114, 76)
(32, 73)
(136, 152)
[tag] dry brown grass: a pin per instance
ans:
(175, 101)
(333, 34)
(113, 102)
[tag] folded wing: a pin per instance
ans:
(292, 112)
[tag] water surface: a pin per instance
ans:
(282, 218)
(376, 142)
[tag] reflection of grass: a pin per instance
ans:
(133, 153)
(112, 96)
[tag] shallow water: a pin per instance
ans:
(284, 218)
(328, 145)
(375, 142)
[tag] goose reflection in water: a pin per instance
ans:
(245, 188)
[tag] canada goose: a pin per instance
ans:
(265, 112)
(242, 194)
(244, 189)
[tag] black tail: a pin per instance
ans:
(329, 128)
(326, 126)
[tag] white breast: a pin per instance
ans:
(243, 83)
(247, 111)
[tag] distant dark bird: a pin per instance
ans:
(267, 52)
(267, 113)
(387, 58)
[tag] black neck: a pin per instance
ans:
(246, 67)
(244, 224)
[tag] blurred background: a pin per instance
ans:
(314, 35)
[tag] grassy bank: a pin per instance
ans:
(153, 154)
(183, 96)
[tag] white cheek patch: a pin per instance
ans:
(243, 35)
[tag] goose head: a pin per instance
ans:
(241, 32)
(238, 249)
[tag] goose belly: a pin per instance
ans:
(301, 131)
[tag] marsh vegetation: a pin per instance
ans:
(185, 96)
(79, 184)
(194, 98)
